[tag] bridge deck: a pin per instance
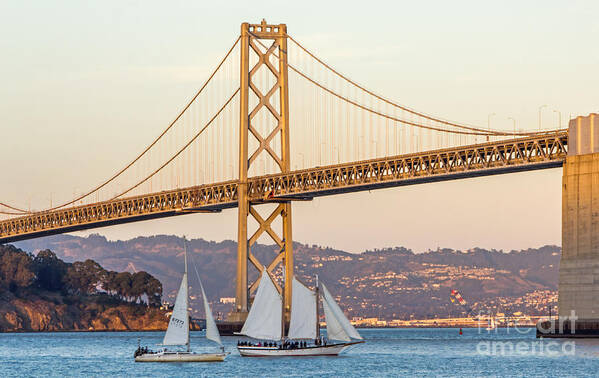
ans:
(520, 154)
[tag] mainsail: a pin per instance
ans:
(177, 332)
(340, 328)
(303, 312)
(211, 329)
(264, 318)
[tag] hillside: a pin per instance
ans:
(43, 293)
(389, 283)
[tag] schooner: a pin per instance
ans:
(265, 321)
(177, 333)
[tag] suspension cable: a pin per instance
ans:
(182, 148)
(10, 213)
(12, 208)
(385, 115)
(146, 149)
(485, 131)
(346, 99)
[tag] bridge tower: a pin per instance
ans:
(579, 265)
(274, 59)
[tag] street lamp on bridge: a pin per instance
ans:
(559, 119)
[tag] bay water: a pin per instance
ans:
(387, 352)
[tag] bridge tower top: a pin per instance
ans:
(263, 30)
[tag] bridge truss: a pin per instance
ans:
(515, 155)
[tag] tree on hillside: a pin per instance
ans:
(144, 283)
(122, 283)
(49, 270)
(109, 284)
(84, 277)
(132, 287)
(16, 268)
(154, 291)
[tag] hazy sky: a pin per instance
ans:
(86, 85)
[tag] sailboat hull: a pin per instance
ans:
(321, 350)
(181, 357)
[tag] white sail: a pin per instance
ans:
(177, 332)
(337, 313)
(334, 329)
(264, 318)
(211, 329)
(303, 312)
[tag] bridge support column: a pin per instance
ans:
(254, 99)
(579, 265)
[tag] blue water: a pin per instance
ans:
(387, 352)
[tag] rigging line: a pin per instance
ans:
(400, 106)
(149, 147)
(182, 148)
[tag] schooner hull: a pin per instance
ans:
(181, 357)
(322, 350)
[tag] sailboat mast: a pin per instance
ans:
(186, 283)
(317, 311)
(283, 303)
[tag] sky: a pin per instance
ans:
(86, 85)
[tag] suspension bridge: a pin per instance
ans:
(274, 124)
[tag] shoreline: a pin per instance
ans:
(196, 330)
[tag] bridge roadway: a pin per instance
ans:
(511, 155)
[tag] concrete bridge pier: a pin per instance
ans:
(579, 266)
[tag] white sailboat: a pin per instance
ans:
(177, 333)
(265, 322)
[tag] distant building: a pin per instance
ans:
(227, 300)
